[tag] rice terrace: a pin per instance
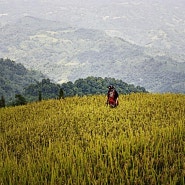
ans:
(81, 141)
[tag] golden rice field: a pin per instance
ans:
(81, 141)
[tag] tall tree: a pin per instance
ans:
(40, 96)
(61, 94)
(2, 102)
(20, 100)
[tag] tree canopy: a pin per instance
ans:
(88, 86)
(16, 79)
(98, 85)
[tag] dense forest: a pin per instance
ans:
(88, 86)
(14, 77)
(98, 85)
(42, 90)
(19, 85)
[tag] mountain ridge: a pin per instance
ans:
(14, 77)
(68, 53)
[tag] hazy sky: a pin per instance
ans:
(141, 21)
(94, 9)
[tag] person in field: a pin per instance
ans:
(112, 96)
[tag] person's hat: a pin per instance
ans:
(111, 87)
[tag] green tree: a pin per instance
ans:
(48, 89)
(19, 100)
(40, 96)
(98, 85)
(2, 102)
(61, 94)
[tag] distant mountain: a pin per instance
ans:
(66, 53)
(154, 24)
(14, 77)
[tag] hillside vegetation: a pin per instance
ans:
(79, 140)
(65, 53)
(14, 77)
(88, 86)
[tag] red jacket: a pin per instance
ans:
(112, 96)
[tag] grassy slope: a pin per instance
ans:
(81, 141)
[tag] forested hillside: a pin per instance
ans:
(66, 53)
(14, 77)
